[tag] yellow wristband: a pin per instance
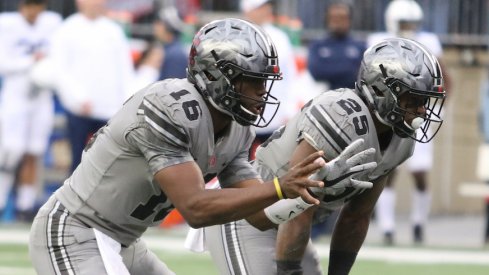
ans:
(278, 189)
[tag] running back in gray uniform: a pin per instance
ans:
(333, 119)
(160, 126)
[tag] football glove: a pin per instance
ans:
(338, 173)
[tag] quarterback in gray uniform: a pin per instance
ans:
(399, 91)
(157, 152)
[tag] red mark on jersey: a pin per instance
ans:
(212, 161)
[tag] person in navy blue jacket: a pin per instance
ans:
(335, 59)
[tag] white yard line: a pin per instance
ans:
(17, 270)
(390, 254)
(417, 255)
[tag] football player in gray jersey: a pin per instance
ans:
(399, 91)
(157, 152)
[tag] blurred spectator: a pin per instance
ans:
(188, 7)
(260, 12)
(26, 110)
(484, 127)
(167, 30)
(403, 18)
(95, 74)
(335, 59)
(220, 5)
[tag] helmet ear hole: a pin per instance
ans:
(209, 76)
(392, 117)
(228, 102)
(377, 91)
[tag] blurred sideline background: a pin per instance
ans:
(461, 25)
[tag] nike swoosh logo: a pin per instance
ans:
(291, 213)
(329, 183)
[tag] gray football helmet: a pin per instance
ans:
(224, 50)
(397, 66)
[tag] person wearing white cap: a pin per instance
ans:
(260, 12)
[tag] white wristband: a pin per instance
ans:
(285, 210)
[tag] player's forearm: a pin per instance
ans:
(352, 224)
(293, 237)
(350, 231)
(260, 221)
(348, 236)
(225, 205)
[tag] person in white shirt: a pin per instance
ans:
(260, 12)
(94, 71)
(26, 111)
(403, 19)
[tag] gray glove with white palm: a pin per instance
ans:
(338, 173)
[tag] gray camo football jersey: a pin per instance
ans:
(334, 119)
(165, 124)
